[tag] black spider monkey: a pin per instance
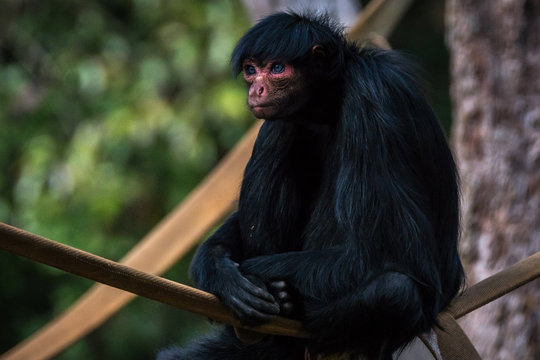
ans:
(348, 212)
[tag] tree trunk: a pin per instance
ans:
(495, 70)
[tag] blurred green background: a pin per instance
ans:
(111, 111)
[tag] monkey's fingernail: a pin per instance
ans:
(287, 308)
(278, 284)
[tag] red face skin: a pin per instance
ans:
(276, 90)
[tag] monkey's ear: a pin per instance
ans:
(318, 51)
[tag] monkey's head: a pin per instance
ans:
(289, 63)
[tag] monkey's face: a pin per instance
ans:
(275, 90)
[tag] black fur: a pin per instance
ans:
(354, 204)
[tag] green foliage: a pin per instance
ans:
(110, 113)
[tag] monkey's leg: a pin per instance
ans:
(223, 345)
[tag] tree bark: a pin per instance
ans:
(495, 71)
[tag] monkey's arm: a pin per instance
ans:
(344, 306)
(311, 269)
(214, 270)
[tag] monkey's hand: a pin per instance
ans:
(281, 289)
(246, 296)
(285, 296)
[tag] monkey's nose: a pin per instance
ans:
(256, 90)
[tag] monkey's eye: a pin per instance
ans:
(249, 70)
(277, 68)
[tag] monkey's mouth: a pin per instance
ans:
(262, 111)
(257, 107)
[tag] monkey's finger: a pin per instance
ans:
(255, 290)
(287, 308)
(282, 296)
(280, 291)
(278, 285)
(259, 304)
(247, 314)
